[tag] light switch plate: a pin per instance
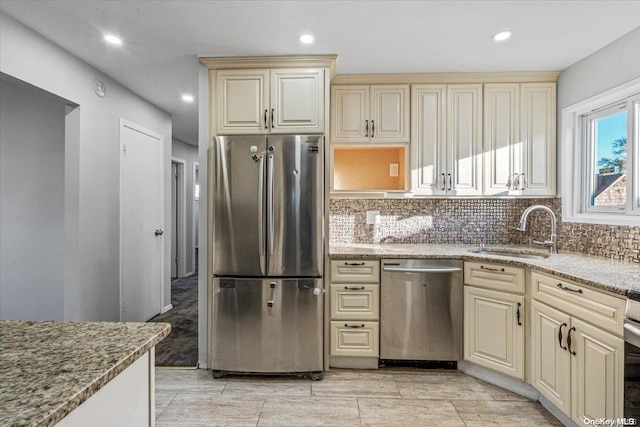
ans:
(393, 169)
(373, 217)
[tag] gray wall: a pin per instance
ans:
(32, 135)
(92, 159)
(611, 66)
(189, 154)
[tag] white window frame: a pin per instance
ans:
(577, 158)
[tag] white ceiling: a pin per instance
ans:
(162, 38)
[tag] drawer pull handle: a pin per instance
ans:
(354, 288)
(569, 340)
(518, 315)
(346, 325)
(564, 288)
(482, 267)
(564, 347)
(354, 263)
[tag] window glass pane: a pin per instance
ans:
(609, 160)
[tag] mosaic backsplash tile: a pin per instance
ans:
(473, 221)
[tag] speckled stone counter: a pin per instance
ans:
(47, 369)
(597, 272)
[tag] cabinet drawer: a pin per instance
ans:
(603, 310)
(494, 276)
(359, 302)
(355, 271)
(355, 338)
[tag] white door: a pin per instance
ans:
(141, 222)
(174, 220)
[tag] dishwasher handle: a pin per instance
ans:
(423, 270)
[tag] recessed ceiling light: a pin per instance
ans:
(306, 39)
(110, 38)
(502, 36)
(187, 98)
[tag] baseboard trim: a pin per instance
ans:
(556, 412)
(498, 379)
(167, 308)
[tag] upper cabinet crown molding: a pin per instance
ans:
(447, 78)
(262, 62)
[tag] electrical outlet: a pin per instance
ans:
(393, 169)
(373, 217)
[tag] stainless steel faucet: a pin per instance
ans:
(522, 226)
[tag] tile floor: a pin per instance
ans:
(390, 397)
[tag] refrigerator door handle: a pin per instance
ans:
(261, 208)
(270, 202)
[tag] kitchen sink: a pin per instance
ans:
(507, 253)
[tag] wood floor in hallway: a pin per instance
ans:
(388, 397)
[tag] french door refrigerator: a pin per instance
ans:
(268, 254)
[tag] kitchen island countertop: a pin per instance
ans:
(47, 368)
(601, 273)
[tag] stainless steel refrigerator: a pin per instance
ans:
(268, 254)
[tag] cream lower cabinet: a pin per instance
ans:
(494, 330)
(578, 367)
(355, 313)
(494, 317)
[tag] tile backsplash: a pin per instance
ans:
(472, 221)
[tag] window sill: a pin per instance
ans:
(603, 219)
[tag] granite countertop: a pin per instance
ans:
(600, 273)
(47, 369)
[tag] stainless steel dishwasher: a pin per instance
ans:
(421, 309)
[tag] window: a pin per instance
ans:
(601, 176)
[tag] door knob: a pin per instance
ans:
(159, 232)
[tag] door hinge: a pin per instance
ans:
(124, 148)
(124, 306)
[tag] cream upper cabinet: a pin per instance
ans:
(243, 101)
(447, 139)
(519, 139)
(494, 330)
(370, 113)
(270, 101)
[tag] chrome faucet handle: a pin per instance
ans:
(545, 243)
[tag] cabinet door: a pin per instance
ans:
(243, 97)
(389, 113)
(355, 302)
(297, 101)
(355, 338)
(428, 149)
(551, 364)
(501, 137)
(464, 140)
(538, 136)
(598, 378)
(350, 114)
(494, 330)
